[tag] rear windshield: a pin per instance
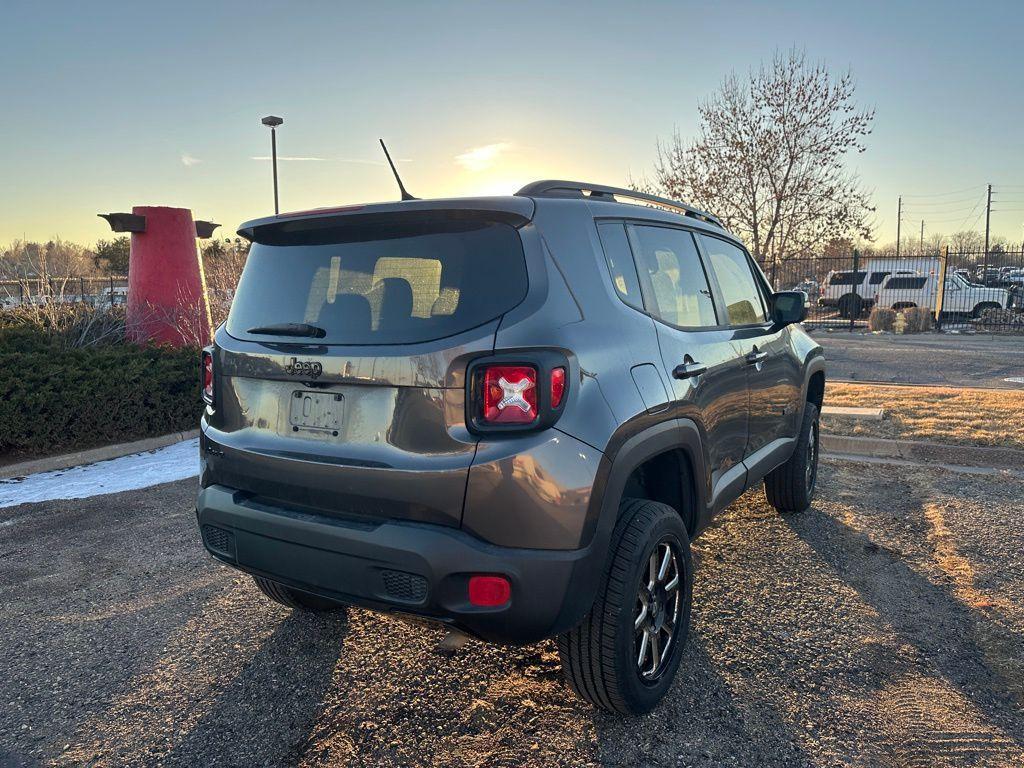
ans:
(383, 283)
(846, 278)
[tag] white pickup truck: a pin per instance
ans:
(959, 297)
(854, 292)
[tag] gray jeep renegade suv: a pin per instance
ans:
(510, 415)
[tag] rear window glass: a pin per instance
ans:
(905, 283)
(846, 278)
(877, 277)
(383, 283)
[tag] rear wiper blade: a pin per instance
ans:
(304, 330)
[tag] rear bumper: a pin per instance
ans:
(413, 568)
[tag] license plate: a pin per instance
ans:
(316, 410)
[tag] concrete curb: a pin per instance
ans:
(92, 455)
(911, 450)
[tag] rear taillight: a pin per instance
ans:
(510, 394)
(207, 377)
(557, 386)
(517, 393)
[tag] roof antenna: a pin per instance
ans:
(405, 194)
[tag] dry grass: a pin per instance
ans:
(940, 414)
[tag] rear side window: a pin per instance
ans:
(736, 280)
(846, 278)
(670, 266)
(877, 277)
(384, 283)
(906, 283)
(620, 263)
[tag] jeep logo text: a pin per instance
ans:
(304, 368)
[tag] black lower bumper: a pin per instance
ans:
(413, 568)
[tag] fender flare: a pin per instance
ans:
(815, 363)
(603, 513)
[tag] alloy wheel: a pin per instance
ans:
(659, 603)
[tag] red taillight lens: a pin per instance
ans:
(489, 591)
(557, 386)
(510, 394)
(207, 377)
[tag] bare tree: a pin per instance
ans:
(222, 266)
(966, 241)
(770, 158)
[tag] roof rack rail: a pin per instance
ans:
(558, 188)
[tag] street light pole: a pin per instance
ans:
(272, 122)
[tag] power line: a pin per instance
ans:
(940, 203)
(953, 192)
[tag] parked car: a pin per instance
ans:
(509, 415)
(809, 286)
(852, 293)
(967, 275)
(1014, 277)
(959, 296)
(989, 276)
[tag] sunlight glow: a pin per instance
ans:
(482, 158)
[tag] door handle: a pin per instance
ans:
(755, 357)
(688, 370)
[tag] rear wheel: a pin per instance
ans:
(850, 305)
(295, 599)
(624, 655)
(790, 486)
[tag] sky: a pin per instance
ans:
(112, 104)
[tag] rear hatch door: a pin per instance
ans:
(340, 372)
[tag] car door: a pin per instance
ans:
(772, 370)
(700, 358)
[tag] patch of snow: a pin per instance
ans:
(128, 473)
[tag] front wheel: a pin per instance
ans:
(624, 655)
(790, 486)
(985, 305)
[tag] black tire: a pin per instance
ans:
(980, 308)
(600, 656)
(790, 486)
(294, 599)
(850, 305)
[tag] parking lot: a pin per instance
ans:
(883, 627)
(945, 360)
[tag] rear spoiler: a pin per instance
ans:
(314, 224)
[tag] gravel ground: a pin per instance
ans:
(883, 627)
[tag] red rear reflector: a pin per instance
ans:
(207, 377)
(489, 591)
(557, 386)
(510, 394)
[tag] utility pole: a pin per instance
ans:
(921, 248)
(988, 213)
(899, 220)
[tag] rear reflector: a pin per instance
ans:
(510, 394)
(489, 591)
(557, 386)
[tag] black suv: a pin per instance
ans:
(508, 414)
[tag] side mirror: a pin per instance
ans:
(789, 307)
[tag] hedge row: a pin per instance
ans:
(54, 400)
